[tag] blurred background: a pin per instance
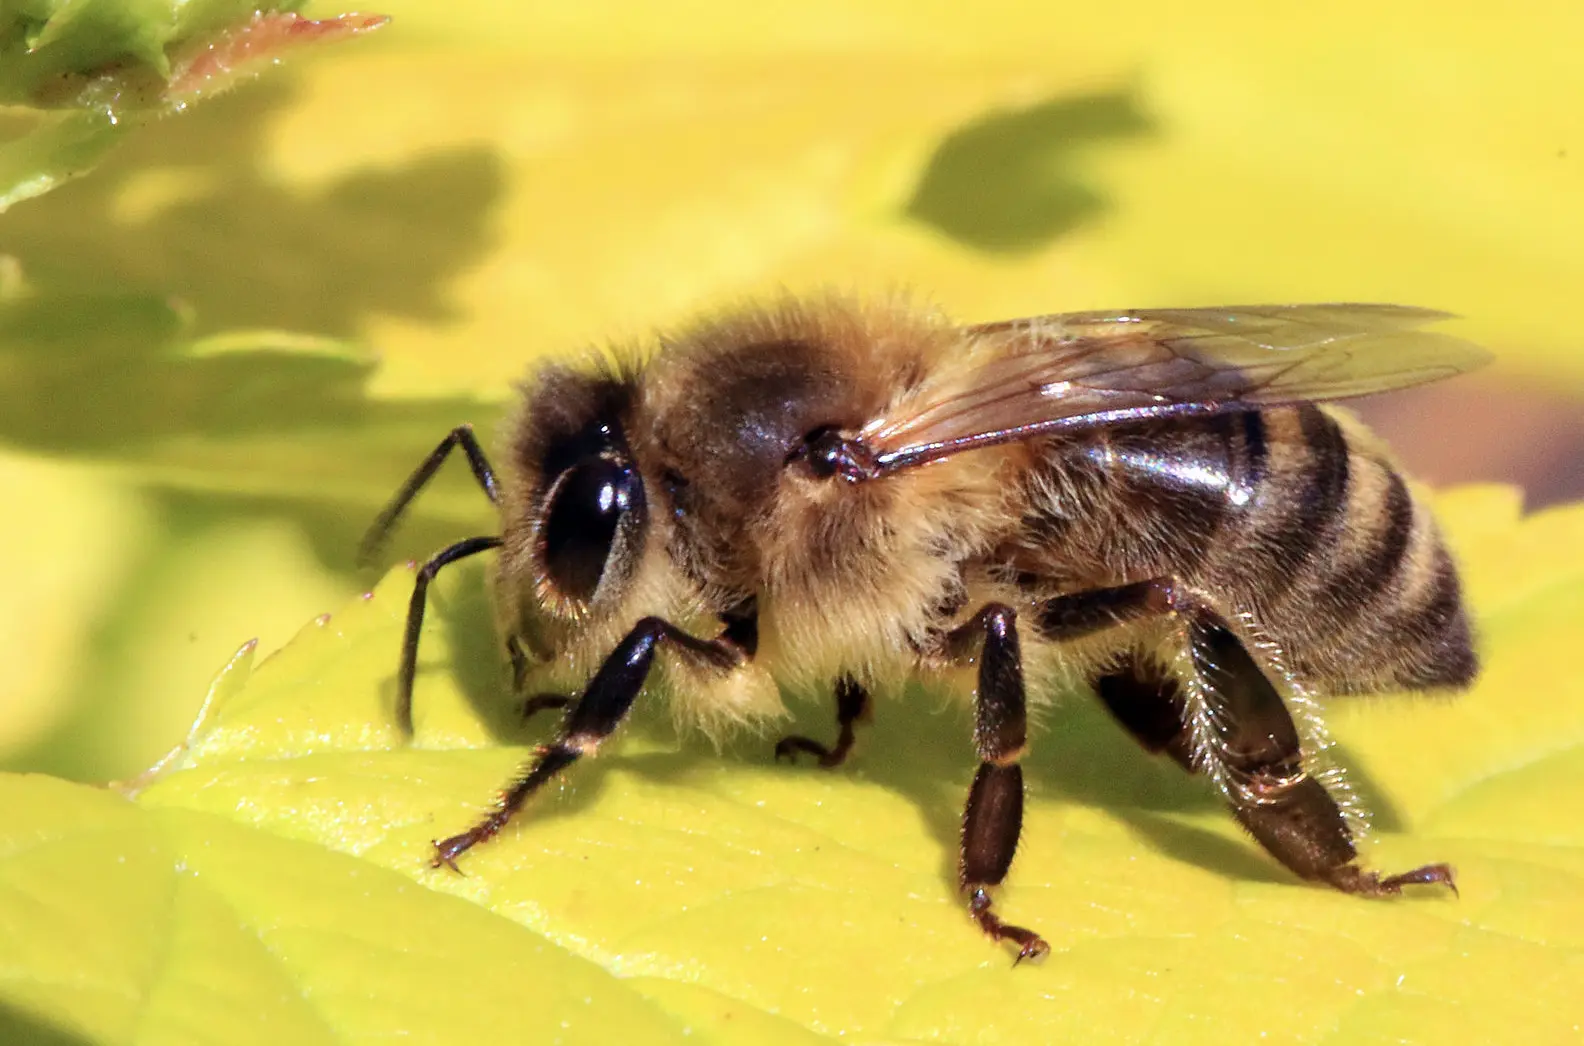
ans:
(223, 349)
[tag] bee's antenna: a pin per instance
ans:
(461, 436)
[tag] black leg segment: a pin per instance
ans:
(852, 704)
(461, 436)
(408, 668)
(993, 817)
(1076, 616)
(1000, 716)
(990, 836)
(1149, 705)
(1286, 809)
(1255, 749)
(605, 702)
(532, 706)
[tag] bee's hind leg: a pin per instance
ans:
(1285, 808)
(852, 705)
(993, 818)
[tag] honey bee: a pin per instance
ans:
(1148, 505)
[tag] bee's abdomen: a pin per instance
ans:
(1283, 514)
(1361, 587)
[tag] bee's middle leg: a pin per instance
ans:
(852, 705)
(993, 818)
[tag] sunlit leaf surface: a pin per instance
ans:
(480, 185)
(273, 879)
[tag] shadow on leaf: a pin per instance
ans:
(111, 353)
(22, 1029)
(189, 207)
(1006, 183)
(260, 420)
(919, 747)
(190, 211)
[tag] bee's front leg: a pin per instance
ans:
(598, 712)
(993, 817)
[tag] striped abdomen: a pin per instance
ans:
(1284, 513)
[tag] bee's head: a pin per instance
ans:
(577, 520)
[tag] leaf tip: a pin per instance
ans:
(218, 61)
(227, 682)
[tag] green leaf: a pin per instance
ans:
(270, 882)
(54, 148)
(168, 482)
(97, 68)
(124, 55)
(247, 411)
(182, 925)
(1157, 155)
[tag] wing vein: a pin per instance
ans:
(1020, 379)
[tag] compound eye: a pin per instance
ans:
(587, 504)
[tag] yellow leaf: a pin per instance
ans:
(1196, 155)
(287, 844)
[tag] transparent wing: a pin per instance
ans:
(1024, 378)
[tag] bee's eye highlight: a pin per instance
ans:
(586, 507)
